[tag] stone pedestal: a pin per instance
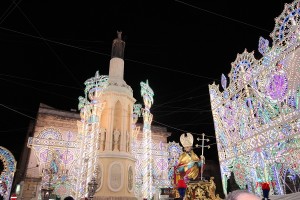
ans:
(204, 190)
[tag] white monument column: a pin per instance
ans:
(118, 165)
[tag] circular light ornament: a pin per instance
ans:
(277, 85)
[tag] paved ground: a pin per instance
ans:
(293, 196)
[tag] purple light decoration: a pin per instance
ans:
(69, 135)
(229, 115)
(225, 94)
(223, 81)
(286, 129)
(44, 155)
(277, 86)
(263, 45)
(249, 103)
(162, 164)
(293, 38)
(160, 145)
(254, 84)
(292, 102)
(174, 151)
(67, 157)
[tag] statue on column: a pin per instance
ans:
(102, 138)
(116, 139)
(118, 47)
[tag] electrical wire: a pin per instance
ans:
(51, 49)
(76, 100)
(44, 82)
(177, 99)
(44, 91)
(169, 69)
(9, 108)
(91, 51)
(126, 59)
(17, 111)
(4, 16)
(223, 16)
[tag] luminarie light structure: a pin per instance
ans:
(90, 108)
(175, 150)
(163, 156)
(256, 117)
(8, 172)
(147, 161)
(56, 156)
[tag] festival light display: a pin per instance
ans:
(174, 150)
(147, 160)
(137, 111)
(257, 117)
(56, 157)
(90, 108)
(164, 158)
(67, 163)
(160, 165)
(8, 172)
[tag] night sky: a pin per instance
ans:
(49, 48)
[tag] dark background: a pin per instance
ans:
(49, 48)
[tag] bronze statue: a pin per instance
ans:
(118, 47)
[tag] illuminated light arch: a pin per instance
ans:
(50, 133)
(257, 116)
(285, 21)
(7, 175)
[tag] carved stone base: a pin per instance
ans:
(204, 190)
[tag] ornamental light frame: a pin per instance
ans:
(256, 116)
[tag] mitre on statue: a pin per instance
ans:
(186, 141)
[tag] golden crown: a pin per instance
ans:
(186, 141)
